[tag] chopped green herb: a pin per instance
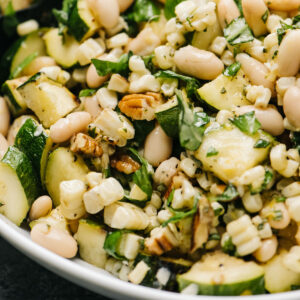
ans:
(112, 242)
(10, 20)
(280, 199)
(265, 16)
(260, 226)
(261, 143)
(87, 92)
(228, 247)
(170, 8)
(214, 237)
(232, 70)
(212, 152)
(142, 129)
(277, 215)
(20, 67)
(229, 194)
(144, 11)
(246, 123)
(281, 32)
(223, 90)
(239, 5)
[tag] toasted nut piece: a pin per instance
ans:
(82, 143)
(140, 106)
(125, 164)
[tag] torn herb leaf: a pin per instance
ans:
(212, 152)
(239, 5)
(261, 143)
(142, 129)
(232, 70)
(21, 66)
(267, 179)
(228, 247)
(229, 194)
(281, 32)
(265, 16)
(246, 123)
(10, 20)
(238, 32)
(144, 11)
(87, 92)
(170, 8)
(112, 243)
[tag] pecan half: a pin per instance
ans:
(125, 164)
(84, 144)
(140, 106)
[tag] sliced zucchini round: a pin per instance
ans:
(221, 274)
(63, 165)
(19, 185)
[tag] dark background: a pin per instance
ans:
(22, 279)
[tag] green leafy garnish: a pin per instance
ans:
(280, 199)
(105, 67)
(142, 129)
(191, 125)
(238, 32)
(265, 16)
(142, 177)
(10, 21)
(229, 194)
(87, 92)
(281, 32)
(277, 215)
(261, 143)
(170, 8)
(229, 247)
(267, 179)
(148, 61)
(144, 11)
(180, 214)
(21, 66)
(214, 237)
(112, 242)
(246, 123)
(191, 83)
(212, 152)
(239, 5)
(232, 70)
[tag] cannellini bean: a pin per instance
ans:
(158, 146)
(64, 128)
(166, 170)
(93, 80)
(227, 11)
(124, 4)
(269, 118)
(54, 239)
(267, 249)
(4, 117)
(253, 12)
(91, 105)
(144, 43)
(40, 207)
(256, 71)
(289, 55)
(14, 128)
(37, 64)
(283, 5)
(199, 63)
(291, 106)
(3, 145)
(282, 222)
(106, 12)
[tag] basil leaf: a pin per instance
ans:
(229, 194)
(238, 32)
(281, 32)
(10, 21)
(144, 11)
(280, 199)
(142, 177)
(180, 214)
(105, 67)
(148, 61)
(261, 143)
(212, 152)
(112, 242)
(62, 16)
(21, 66)
(142, 129)
(228, 247)
(170, 8)
(267, 179)
(232, 70)
(87, 92)
(192, 84)
(265, 16)
(191, 125)
(246, 123)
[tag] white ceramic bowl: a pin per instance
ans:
(98, 280)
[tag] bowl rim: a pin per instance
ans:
(76, 270)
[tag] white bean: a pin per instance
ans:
(256, 71)
(198, 63)
(282, 222)
(4, 117)
(106, 12)
(124, 4)
(37, 64)
(79, 121)
(289, 55)
(158, 146)
(267, 249)
(291, 106)
(93, 80)
(54, 240)
(3, 145)
(283, 5)
(269, 118)
(40, 207)
(91, 105)
(227, 11)
(253, 12)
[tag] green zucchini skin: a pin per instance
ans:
(35, 143)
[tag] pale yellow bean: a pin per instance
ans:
(198, 63)
(3, 145)
(40, 207)
(4, 117)
(61, 131)
(124, 4)
(227, 11)
(93, 80)
(256, 71)
(158, 146)
(106, 12)
(79, 121)
(55, 240)
(91, 105)
(37, 64)
(282, 222)
(291, 106)
(289, 55)
(254, 10)
(267, 249)
(283, 5)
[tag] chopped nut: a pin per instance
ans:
(125, 164)
(140, 106)
(82, 143)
